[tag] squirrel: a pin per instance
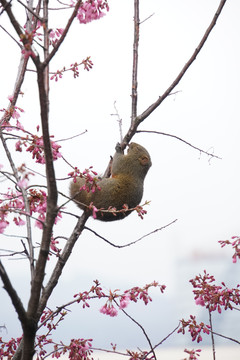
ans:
(124, 187)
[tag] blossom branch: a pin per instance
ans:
(17, 303)
(51, 212)
(64, 34)
(14, 97)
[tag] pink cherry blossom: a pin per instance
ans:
(3, 225)
(124, 301)
(109, 309)
(199, 301)
(92, 10)
(23, 183)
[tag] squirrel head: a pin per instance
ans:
(135, 163)
(141, 156)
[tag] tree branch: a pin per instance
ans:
(51, 212)
(61, 263)
(135, 60)
(140, 118)
(7, 7)
(17, 303)
(178, 138)
(60, 41)
(17, 87)
(143, 330)
(133, 242)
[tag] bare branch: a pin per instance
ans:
(72, 137)
(143, 330)
(140, 118)
(212, 335)
(119, 120)
(10, 36)
(133, 242)
(226, 337)
(135, 61)
(30, 10)
(178, 138)
(162, 341)
(147, 18)
(7, 6)
(17, 303)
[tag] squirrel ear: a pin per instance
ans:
(144, 160)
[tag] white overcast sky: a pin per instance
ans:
(202, 193)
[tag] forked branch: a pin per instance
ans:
(140, 118)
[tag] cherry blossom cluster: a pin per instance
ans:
(194, 328)
(8, 349)
(92, 10)
(14, 203)
(87, 65)
(192, 354)
(141, 212)
(36, 148)
(38, 204)
(90, 176)
(95, 291)
(55, 35)
(81, 348)
(214, 297)
(12, 112)
(33, 142)
(27, 38)
(54, 249)
(109, 308)
(235, 245)
(134, 294)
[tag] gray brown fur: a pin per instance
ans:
(125, 186)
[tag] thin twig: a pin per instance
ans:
(178, 138)
(212, 336)
(119, 120)
(11, 36)
(72, 137)
(133, 242)
(143, 330)
(141, 22)
(30, 10)
(162, 341)
(226, 337)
